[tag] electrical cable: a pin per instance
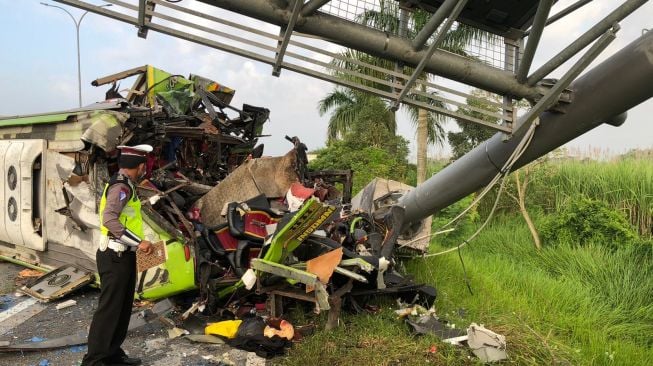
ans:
(502, 175)
(462, 263)
(512, 159)
(517, 153)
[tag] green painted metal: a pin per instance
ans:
(23, 263)
(33, 120)
(181, 275)
(180, 272)
(310, 216)
(284, 271)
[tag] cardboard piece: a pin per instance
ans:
(158, 256)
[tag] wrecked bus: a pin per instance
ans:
(55, 165)
(228, 217)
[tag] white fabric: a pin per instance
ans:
(116, 246)
(145, 149)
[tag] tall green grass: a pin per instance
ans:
(558, 305)
(626, 185)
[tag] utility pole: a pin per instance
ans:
(79, 67)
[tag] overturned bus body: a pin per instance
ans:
(55, 166)
(230, 219)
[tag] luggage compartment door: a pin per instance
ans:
(21, 193)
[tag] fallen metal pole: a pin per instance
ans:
(598, 97)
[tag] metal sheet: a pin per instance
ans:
(58, 283)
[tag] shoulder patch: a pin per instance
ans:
(122, 195)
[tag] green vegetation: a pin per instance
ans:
(585, 298)
(585, 221)
(369, 149)
(471, 134)
(626, 185)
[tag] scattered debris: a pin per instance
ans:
(78, 349)
(456, 341)
(27, 272)
(425, 321)
(251, 337)
(487, 345)
(58, 283)
(65, 304)
(204, 338)
(226, 329)
(38, 344)
(246, 233)
(176, 332)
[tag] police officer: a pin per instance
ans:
(122, 234)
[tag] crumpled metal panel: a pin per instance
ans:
(63, 229)
(269, 176)
(105, 128)
(371, 199)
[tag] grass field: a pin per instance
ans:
(572, 304)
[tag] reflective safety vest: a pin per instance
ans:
(130, 216)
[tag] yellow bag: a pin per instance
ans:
(227, 328)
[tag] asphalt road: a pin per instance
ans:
(25, 320)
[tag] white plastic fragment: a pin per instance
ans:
(66, 304)
(154, 199)
(456, 340)
(249, 279)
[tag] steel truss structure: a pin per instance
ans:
(310, 36)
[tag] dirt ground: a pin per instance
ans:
(150, 342)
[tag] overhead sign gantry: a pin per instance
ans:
(309, 31)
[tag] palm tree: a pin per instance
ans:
(345, 104)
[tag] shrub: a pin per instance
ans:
(583, 221)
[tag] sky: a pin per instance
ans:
(39, 70)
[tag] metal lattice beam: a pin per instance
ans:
(432, 25)
(242, 34)
(534, 39)
(436, 43)
(381, 44)
(583, 41)
(311, 6)
(563, 13)
(283, 44)
(552, 95)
